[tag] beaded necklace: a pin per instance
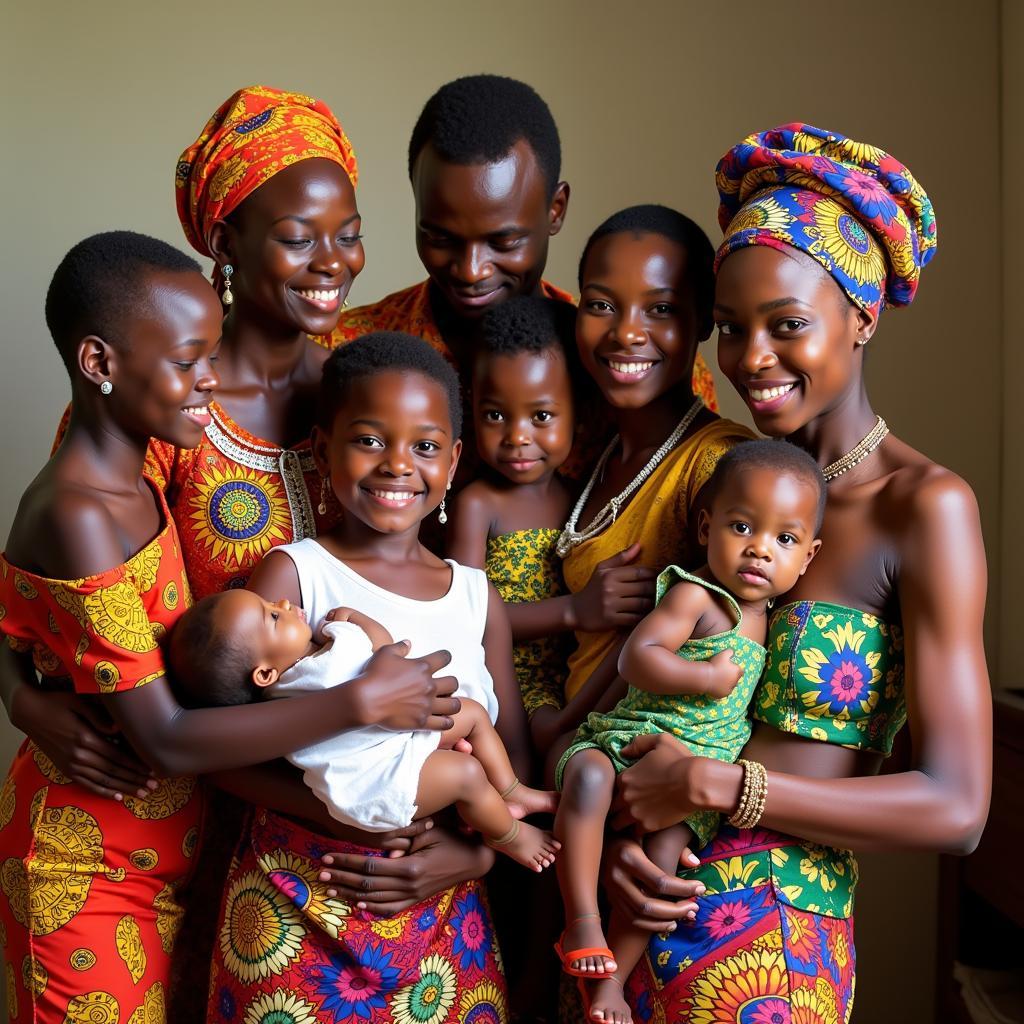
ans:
(570, 537)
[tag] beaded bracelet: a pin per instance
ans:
(753, 795)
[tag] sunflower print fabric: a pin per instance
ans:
(849, 205)
(833, 674)
(287, 953)
(751, 956)
(88, 907)
(523, 566)
(234, 498)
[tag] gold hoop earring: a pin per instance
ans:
(227, 298)
(322, 507)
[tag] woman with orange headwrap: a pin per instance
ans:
(267, 191)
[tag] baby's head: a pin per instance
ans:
(230, 643)
(766, 502)
(522, 387)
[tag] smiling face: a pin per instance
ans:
(482, 230)
(759, 531)
(162, 365)
(635, 329)
(274, 634)
(295, 247)
(788, 338)
(523, 412)
(390, 454)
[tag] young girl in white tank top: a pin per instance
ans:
(387, 447)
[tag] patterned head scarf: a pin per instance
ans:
(852, 207)
(254, 134)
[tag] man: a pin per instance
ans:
(484, 163)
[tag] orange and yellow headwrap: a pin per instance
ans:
(254, 134)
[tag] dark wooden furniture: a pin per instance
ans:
(981, 897)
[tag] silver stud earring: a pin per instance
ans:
(106, 387)
(322, 507)
(227, 270)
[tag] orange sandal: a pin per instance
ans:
(570, 956)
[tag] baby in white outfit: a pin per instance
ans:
(236, 644)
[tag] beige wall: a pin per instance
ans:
(102, 96)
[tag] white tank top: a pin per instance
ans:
(453, 623)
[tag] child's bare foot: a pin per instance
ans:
(585, 935)
(530, 846)
(532, 801)
(605, 1001)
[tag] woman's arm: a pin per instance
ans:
(511, 725)
(939, 806)
(617, 596)
(71, 730)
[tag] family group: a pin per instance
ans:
(366, 654)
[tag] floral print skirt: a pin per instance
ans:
(751, 956)
(289, 954)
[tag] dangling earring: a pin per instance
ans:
(442, 516)
(771, 603)
(344, 304)
(322, 507)
(106, 387)
(227, 270)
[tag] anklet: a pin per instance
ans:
(509, 789)
(508, 837)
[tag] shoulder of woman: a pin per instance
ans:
(75, 534)
(923, 494)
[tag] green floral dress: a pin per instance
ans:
(709, 727)
(523, 566)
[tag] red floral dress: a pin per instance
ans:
(89, 911)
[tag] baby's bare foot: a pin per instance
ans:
(532, 801)
(530, 846)
(606, 1002)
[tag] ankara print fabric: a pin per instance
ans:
(89, 908)
(289, 954)
(255, 133)
(751, 956)
(833, 674)
(851, 206)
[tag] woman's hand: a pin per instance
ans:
(402, 693)
(79, 738)
(436, 860)
(648, 898)
(617, 595)
(655, 792)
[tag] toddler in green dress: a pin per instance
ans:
(692, 665)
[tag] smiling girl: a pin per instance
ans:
(387, 442)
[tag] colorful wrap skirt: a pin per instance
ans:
(752, 956)
(289, 954)
(89, 911)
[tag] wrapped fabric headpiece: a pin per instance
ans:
(852, 207)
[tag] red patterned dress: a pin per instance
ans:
(89, 910)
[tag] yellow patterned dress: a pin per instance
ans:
(523, 566)
(89, 911)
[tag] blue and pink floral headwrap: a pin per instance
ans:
(852, 207)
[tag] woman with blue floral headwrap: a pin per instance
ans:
(821, 234)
